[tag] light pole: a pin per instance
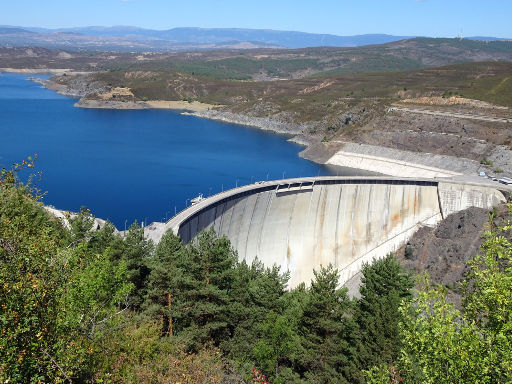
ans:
(186, 203)
(267, 176)
(284, 173)
(125, 224)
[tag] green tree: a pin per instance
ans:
(92, 300)
(163, 289)
(81, 225)
(384, 286)
(473, 345)
(324, 329)
(30, 275)
(204, 277)
(438, 345)
(206, 305)
(135, 253)
(279, 345)
(255, 292)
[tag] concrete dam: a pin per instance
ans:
(300, 224)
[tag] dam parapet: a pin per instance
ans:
(300, 224)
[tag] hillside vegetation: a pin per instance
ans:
(314, 99)
(270, 64)
(273, 64)
(84, 306)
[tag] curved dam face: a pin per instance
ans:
(300, 224)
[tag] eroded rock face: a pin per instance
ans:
(443, 252)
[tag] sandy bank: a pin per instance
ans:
(194, 106)
(41, 71)
(177, 105)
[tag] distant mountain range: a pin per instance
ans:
(132, 38)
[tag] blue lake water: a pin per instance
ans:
(137, 164)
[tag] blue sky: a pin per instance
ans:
(398, 17)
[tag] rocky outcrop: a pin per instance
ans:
(276, 123)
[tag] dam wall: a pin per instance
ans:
(300, 224)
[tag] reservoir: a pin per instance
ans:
(127, 165)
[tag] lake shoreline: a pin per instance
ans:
(314, 148)
(136, 164)
(344, 155)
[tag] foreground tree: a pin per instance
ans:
(138, 354)
(384, 286)
(324, 329)
(30, 275)
(163, 287)
(189, 288)
(255, 292)
(279, 346)
(207, 275)
(474, 345)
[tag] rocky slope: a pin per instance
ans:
(443, 251)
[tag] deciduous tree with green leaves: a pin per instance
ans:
(30, 275)
(473, 345)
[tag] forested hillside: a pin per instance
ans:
(88, 306)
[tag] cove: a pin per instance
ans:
(127, 165)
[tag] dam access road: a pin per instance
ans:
(300, 224)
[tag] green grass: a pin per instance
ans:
(497, 90)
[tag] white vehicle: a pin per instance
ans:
(481, 174)
(505, 180)
(197, 199)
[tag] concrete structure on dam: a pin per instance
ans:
(300, 224)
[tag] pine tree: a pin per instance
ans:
(323, 329)
(383, 287)
(135, 254)
(256, 292)
(205, 278)
(279, 344)
(162, 287)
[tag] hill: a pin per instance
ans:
(127, 37)
(269, 64)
